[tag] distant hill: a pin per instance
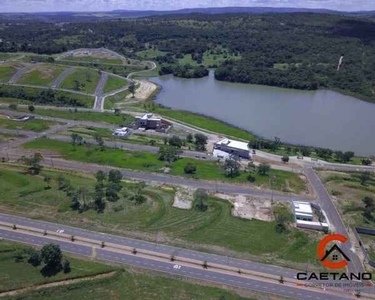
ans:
(115, 14)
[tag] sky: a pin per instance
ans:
(106, 5)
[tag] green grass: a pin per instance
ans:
(33, 125)
(123, 119)
(114, 83)
(349, 193)
(134, 285)
(145, 161)
(150, 53)
(16, 275)
(216, 226)
(6, 56)
(43, 75)
(87, 79)
(6, 73)
(87, 101)
(111, 101)
(94, 60)
(205, 123)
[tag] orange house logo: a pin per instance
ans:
(330, 258)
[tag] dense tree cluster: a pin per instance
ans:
(184, 71)
(300, 50)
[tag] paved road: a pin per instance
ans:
(355, 265)
(260, 285)
(99, 91)
(16, 76)
(57, 82)
(139, 244)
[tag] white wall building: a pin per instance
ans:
(233, 147)
(121, 132)
(303, 211)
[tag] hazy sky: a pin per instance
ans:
(102, 5)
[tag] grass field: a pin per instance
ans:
(111, 101)
(16, 275)
(141, 139)
(114, 83)
(123, 119)
(150, 53)
(216, 226)
(6, 56)
(87, 101)
(134, 285)
(94, 60)
(6, 73)
(33, 125)
(84, 80)
(145, 161)
(43, 74)
(205, 123)
(347, 193)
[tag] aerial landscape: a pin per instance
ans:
(187, 150)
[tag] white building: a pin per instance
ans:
(233, 147)
(303, 211)
(121, 132)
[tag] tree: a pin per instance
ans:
(369, 203)
(175, 141)
(305, 151)
(364, 177)
(285, 159)
(47, 179)
(114, 176)
(34, 258)
(169, 154)
(117, 111)
(66, 266)
(111, 193)
(63, 183)
(251, 178)
(51, 255)
(232, 166)
(31, 108)
(137, 197)
(189, 138)
(264, 168)
(200, 196)
(33, 163)
(74, 199)
(100, 176)
(200, 142)
(132, 89)
(74, 138)
(251, 167)
(190, 168)
(100, 141)
(99, 203)
(366, 162)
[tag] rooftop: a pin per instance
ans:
(233, 144)
(302, 207)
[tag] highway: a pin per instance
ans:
(212, 274)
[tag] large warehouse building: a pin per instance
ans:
(234, 148)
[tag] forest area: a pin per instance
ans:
(295, 50)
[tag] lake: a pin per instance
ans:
(317, 118)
